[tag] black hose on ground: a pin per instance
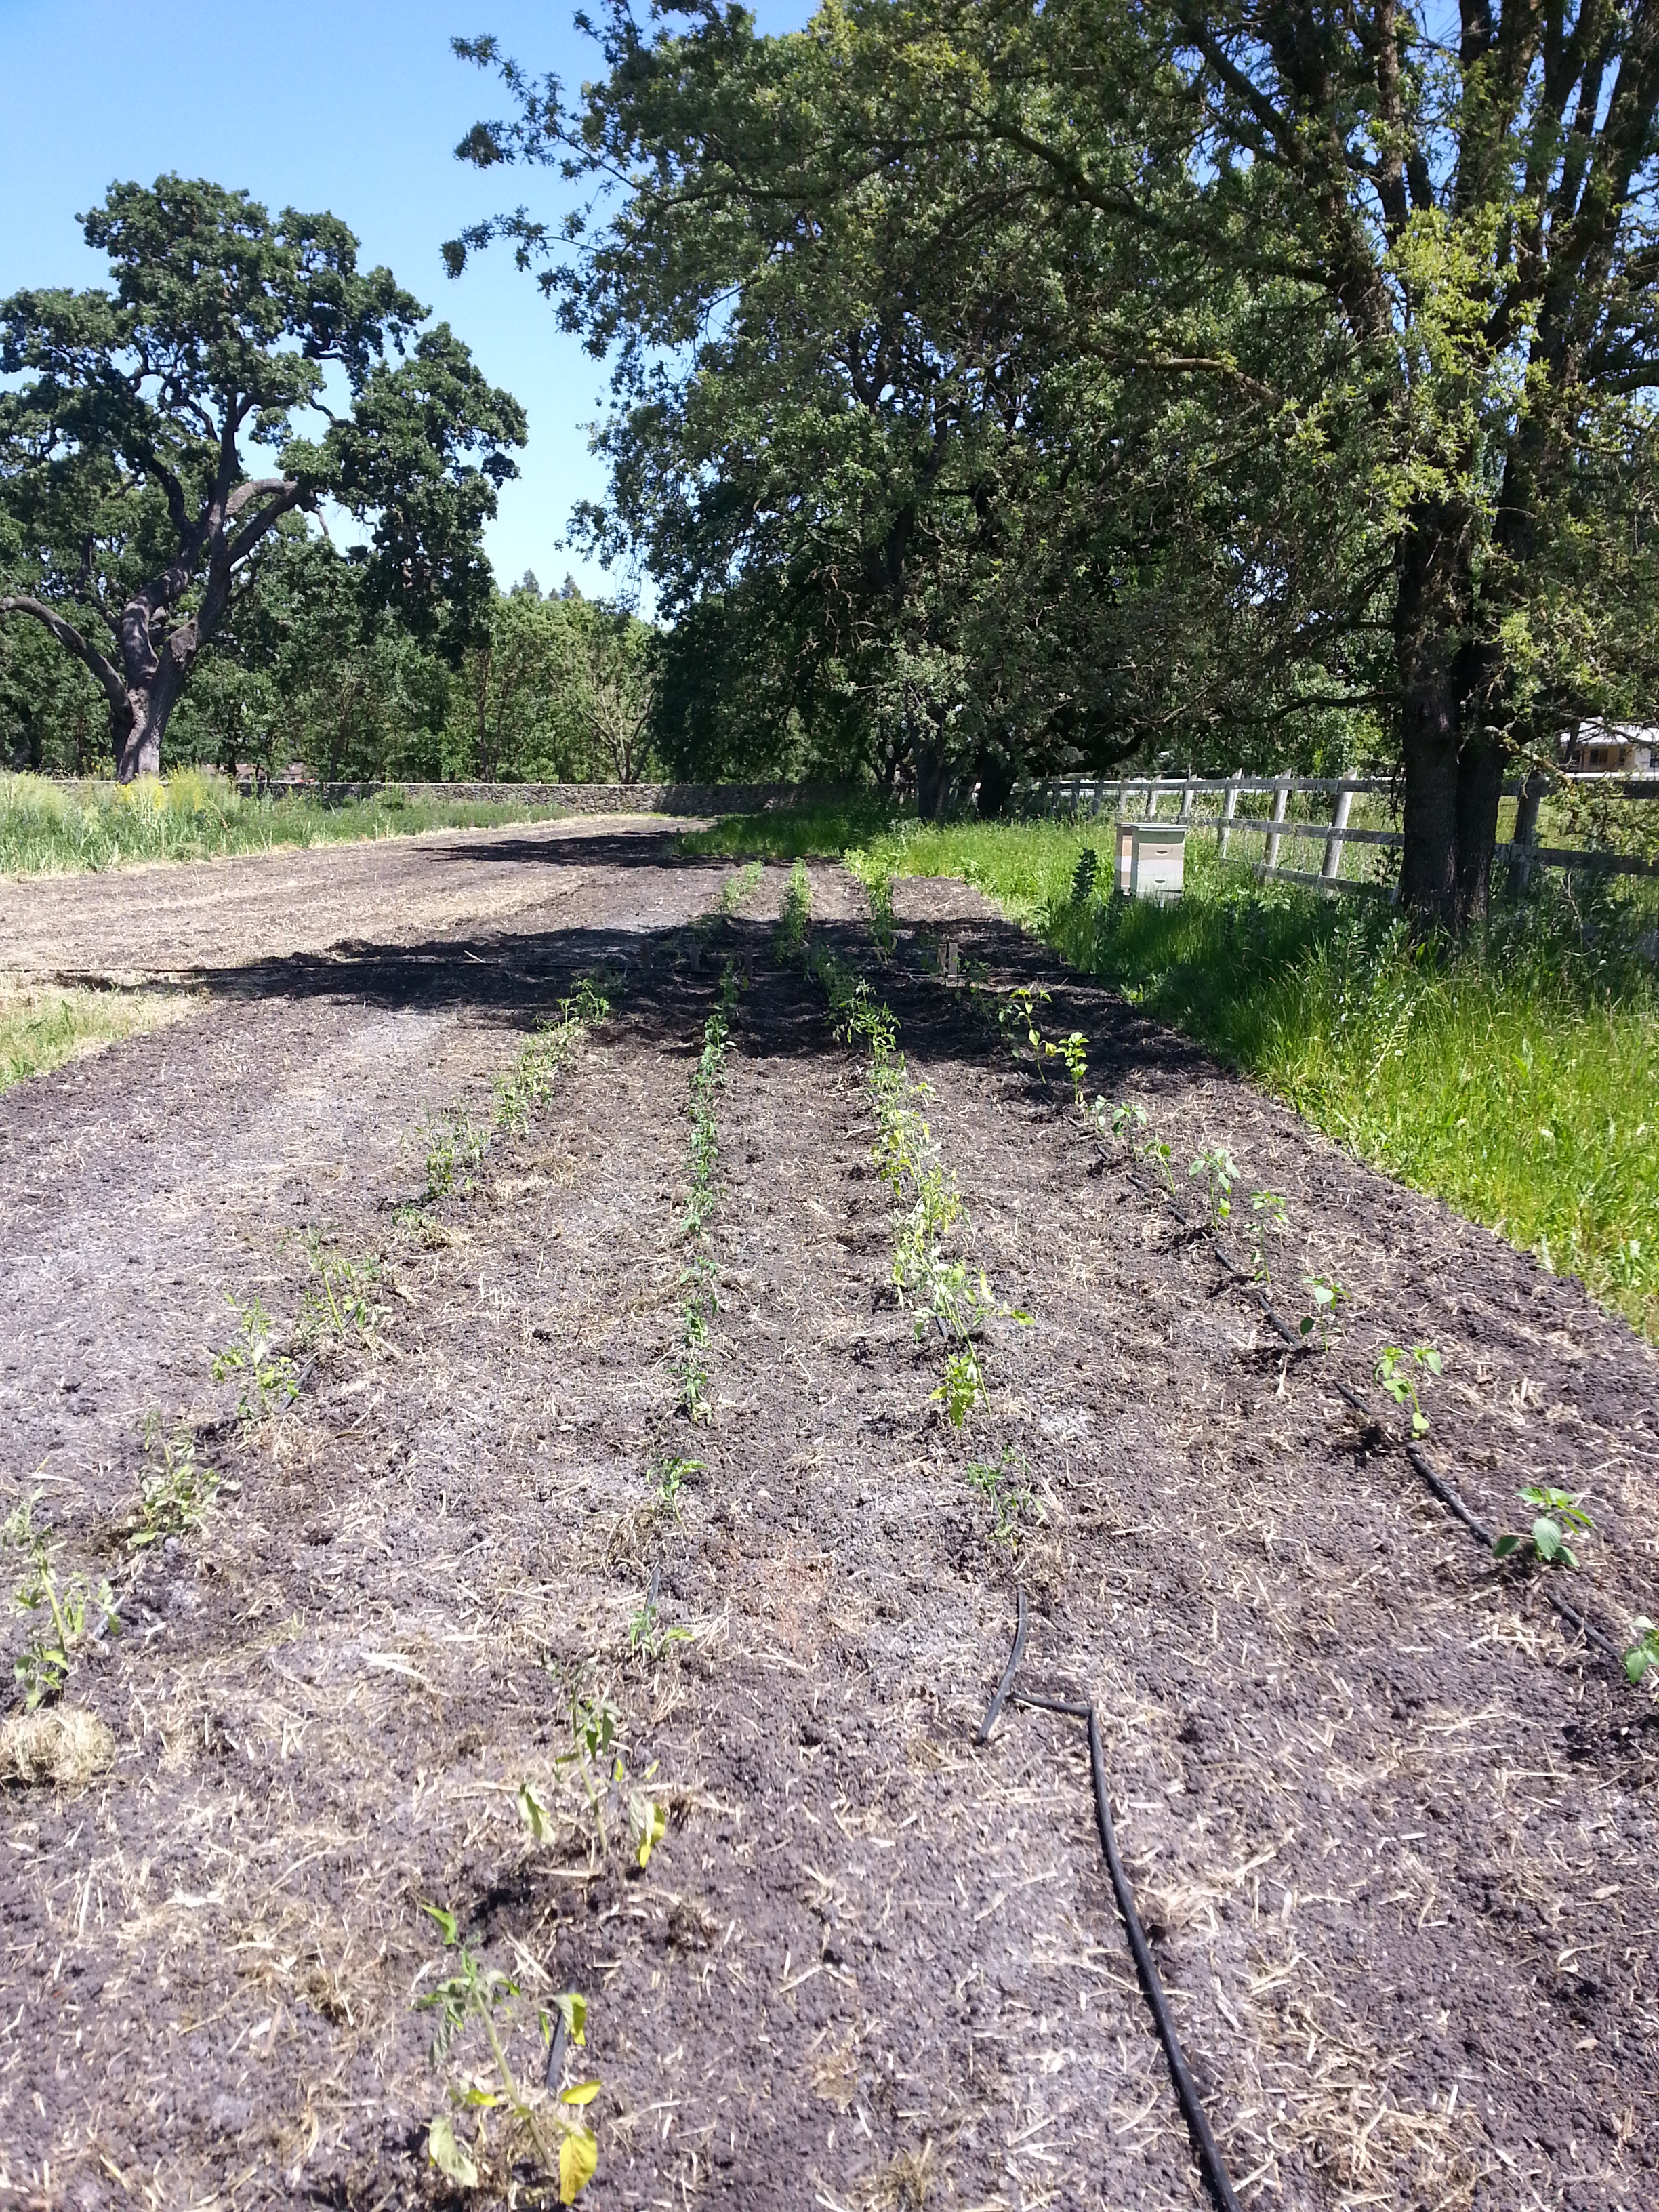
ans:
(1204, 2141)
(1008, 1672)
(1563, 1609)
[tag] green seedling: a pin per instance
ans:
(879, 890)
(456, 1146)
(692, 1375)
(736, 889)
(1398, 1372)
(59, 1608)
(797, 912)
(175, 1492)
(1642, 1655)
(963, 1386)
(1124, 1121)
(1018, 1012)
(648, 1638)
(1559, 1514)
(474, 1992)
(1001, 1483)
(593, 1730)
(1075, 1051)
(1156, 1149)
(1269, 1216)
(859, 1018)
(269, 1380)
(1084, 875)
(1219, 1174)
(699, 1276)
(602, 1771)
(671, 1474)
(460, 1148)
(343, 1304)
(1326, 1294)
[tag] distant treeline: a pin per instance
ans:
(554, 688)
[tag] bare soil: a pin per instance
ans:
(1393, 1834)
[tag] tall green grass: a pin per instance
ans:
(50, 829)
(1517, 1076)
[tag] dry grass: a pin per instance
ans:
(60, 1744)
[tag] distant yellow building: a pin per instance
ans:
(1612, 748)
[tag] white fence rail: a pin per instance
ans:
(1143, 797)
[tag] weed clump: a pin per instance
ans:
(176, 1493)
(64, 1610)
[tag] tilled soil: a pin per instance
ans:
(1391, 1835)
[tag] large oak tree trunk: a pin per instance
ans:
(137, 734)
(153, 682)
(1454, 765)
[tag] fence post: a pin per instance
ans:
(1332, 867)
(1281, 803)
(1186, 814)
(1526, 832)
(1224, 836)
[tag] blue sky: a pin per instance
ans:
(352, 107)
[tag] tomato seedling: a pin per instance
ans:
(1558, 1516)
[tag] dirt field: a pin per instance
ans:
(1392, 1834)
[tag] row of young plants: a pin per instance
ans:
(1558, 1518)
(178, 1492)
(617, 1816)
(699, 1274)
(457, 1143)
(948, 1300)
(475, 2002)
(594, 1770)
(344, 1309)
(1402, 1373)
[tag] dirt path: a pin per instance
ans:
(1395, 1842)
(198, 920)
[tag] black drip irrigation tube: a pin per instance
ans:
(1561, 1607)
(1186, 2089)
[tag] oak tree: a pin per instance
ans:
(241, 368)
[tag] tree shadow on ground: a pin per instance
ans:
(515, 976)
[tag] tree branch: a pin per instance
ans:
(20, 603)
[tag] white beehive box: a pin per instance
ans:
(1151, 860)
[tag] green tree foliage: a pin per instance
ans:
(136, 529)
(1026, 385)
(559, 689)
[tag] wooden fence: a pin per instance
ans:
(1143, 797)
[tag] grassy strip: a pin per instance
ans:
(1517, 1077)
(50, 829)
(42, 1025)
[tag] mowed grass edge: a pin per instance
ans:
(44, 1024)
(1516, 1078)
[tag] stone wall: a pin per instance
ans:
(585, 797)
